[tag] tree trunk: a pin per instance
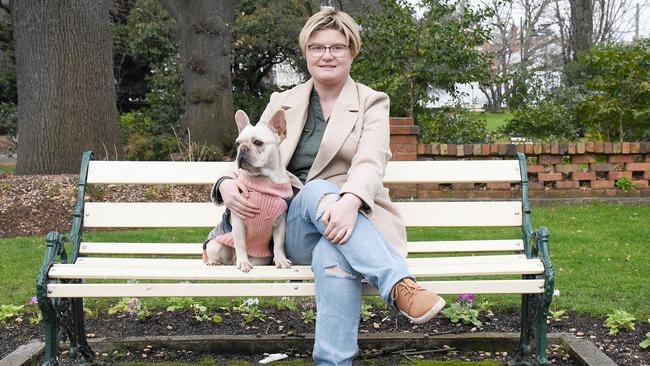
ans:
(582, 25)
(205, 29)
(66, 92)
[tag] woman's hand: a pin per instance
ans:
(235, 197)
(341, 217)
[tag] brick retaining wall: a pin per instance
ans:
(584, 169)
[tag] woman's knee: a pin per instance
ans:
(330, 262)
(318, 194)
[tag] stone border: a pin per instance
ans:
(581, 350)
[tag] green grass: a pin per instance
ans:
(494, 120)
(10, 168)
(600, 253)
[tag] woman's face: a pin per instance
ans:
(326, 68)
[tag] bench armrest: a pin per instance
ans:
(540, 249)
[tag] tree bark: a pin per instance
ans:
(205, 29)
(582, 25)
(66, 92)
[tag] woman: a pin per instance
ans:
(341, 221)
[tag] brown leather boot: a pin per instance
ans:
(415, 302)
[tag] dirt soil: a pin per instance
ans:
(34, 205)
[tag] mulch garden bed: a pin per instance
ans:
(623, 348)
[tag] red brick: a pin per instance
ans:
(646, 158)
(498, 185)
(528, 149)
(412, 131)
(567, 168)
(535, 185)
(485, 149)
(404, 157)
(537, 149)
(589, 147)
(567, 184)
(580, 148)
(601, 167)
(583, 159)
(494, 149)
(620, 159)
(536, 169)
(637, 166)
(616, 148)
(422, 149)
(398, 148)
(476, 149)
(639, 184)
(451, 149)
(402, 139)
(572, 149)
(555, 148)
(546, 148)
(444, 149)
(401, 121)
(503, 149)
(599, 147)
(546, 177)
(602, 184)
(635, 148)
(576, 176)
(463, 186)
(616, 175)
(411, 148)
(549, 159)
(644, 192)
(625, 148)
(607, 148)
(435, 149)
(520, 148)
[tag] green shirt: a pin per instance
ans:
(310, 139)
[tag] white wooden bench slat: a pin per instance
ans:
(509, 245)
(205, 214)
(194, 263)
(276, 289)
(168, 172)
(530, 266)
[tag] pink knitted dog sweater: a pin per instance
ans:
(259, 229)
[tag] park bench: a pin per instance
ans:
(94, 269)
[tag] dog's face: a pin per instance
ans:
(258, 146)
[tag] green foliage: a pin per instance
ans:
(406, 56)
(8, 93)
(452, 126)
(308, 316)
(10, 311)
(624, 184)
(8, 119)
(147, 146)
(265, 33)
(130, 306)
(366, 312)
(646, 342)
(287, 303)
(462, 312)
(550, 116)
(619, 319)
(617, 79)
(250, 311)
(557, 315)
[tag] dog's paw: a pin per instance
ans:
(213, 263)
(244, 266)
(282, 262)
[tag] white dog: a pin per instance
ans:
(260, 170)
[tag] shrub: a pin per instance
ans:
(553, 117)
(619, 319)
(8, 119)
(451, 126)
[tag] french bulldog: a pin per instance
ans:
(260, 169)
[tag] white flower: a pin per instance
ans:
(250, 302)
(556, 292)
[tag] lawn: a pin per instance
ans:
(8, 168)
(600, 253)
(494, 120)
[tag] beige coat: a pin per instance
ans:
(354, 150)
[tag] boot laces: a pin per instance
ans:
(407, 289)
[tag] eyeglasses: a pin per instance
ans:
(337, 50)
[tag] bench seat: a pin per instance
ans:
(516, 265)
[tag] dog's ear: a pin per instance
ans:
(242, 120)
(278, 124)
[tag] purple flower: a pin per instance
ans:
(132, 314)
(33, 301)
(466, 298)
(308, 305)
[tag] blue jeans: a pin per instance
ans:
(338, 271)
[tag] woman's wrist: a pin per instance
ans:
(353, 199)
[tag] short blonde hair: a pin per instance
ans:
(331, 19)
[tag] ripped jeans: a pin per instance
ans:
(338, 270)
